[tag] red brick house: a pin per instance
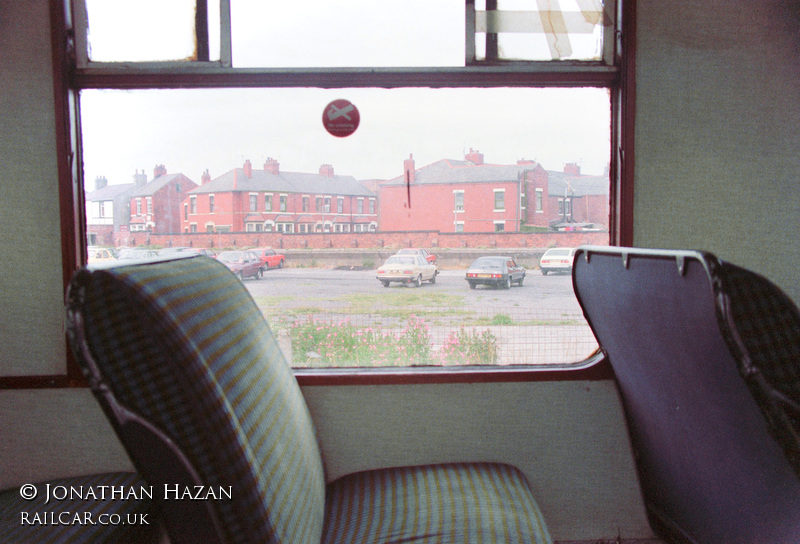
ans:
(156, 205)
(269, 200)
(472, 196)
(568, 200)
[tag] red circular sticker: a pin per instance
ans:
(341, 118)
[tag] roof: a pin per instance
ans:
(453, 171)
(155, 185)
(449, 171)
(284, 182)
(559, 182)
(110, 192)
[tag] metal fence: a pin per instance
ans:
(522, 335)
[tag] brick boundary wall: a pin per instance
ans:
(431, 240)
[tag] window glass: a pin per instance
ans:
(350, 33)
(549, 141)
(135, 31)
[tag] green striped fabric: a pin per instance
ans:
(79, 510)
(453, 503)
(182, 344)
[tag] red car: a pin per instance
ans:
(270, 257)
(430, 257)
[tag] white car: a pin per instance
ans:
(413, 269)
(557, 259)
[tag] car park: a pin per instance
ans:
(557, 259)
(136, 253)
(270, 258)
(409, 269)
(430, 257)
(199, 251)
(496, 271)
(245, 264)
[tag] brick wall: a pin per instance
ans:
(368, 240)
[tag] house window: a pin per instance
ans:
(185, 212)
(253, 202)
(539, 201)
(512, 97)
(499, 226)
(267, 203)
(283, 202)
(210, 203)
(138, 206)
(149, 206)
(193, 227)
(459, 201)
(192, 204)
(499, 200)
(340, 205)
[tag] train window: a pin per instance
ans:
(441, 154)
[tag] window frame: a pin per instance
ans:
(72, 74)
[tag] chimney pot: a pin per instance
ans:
(205, 178)
(159, 170)
(100, 182)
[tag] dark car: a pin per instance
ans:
(495, 271)
(244, 264)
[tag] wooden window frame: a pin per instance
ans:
(69, 80)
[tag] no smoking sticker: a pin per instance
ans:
(340, 118)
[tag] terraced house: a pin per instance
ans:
(269, 200)
(470, 195)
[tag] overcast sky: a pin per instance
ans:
(191, 131)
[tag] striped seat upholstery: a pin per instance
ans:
(177, 349)
(79, 510)
(433, 504)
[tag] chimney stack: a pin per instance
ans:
(409, 169)
(159, 170)
(139, 180)
(474, 156)
(100, 182)
(272, 166)
(572, 169)
(248, 169)
(326, 170)
(205, 178)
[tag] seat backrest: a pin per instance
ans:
(709, 469)
(188, 371)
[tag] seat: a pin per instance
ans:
(190, 375)
(707, 360)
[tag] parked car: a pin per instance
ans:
(270, 257)
(172, 250)
(198, 251)
(495, 271)
(99, 254)
(244, 264)
(135, 253)
(430, 257)
(413, 269)
(557, 259)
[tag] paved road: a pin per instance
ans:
(540, 322)
(301, 287)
